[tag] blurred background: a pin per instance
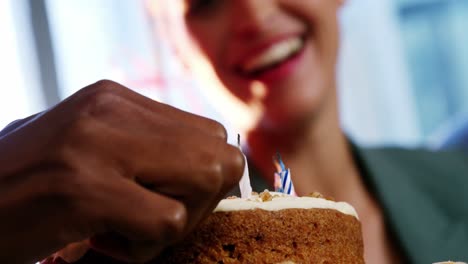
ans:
(403, 69)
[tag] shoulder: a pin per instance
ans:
(417, 154)
(421, 190)
(440, 176)
(422, 164)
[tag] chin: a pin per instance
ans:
(288, 118)
(295, 103)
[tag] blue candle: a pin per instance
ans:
(283, 175)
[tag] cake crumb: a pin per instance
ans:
(254, 193)
(321, 196)
(266, 196)
(315, 195)
(232, 197)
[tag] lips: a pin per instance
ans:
(271, 56)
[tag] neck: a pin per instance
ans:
(316, 151)
(320, 159)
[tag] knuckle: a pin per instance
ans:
(104, 83)
(175, 220)
(219, 130)
(208, 175)
(99, 88)
(213, 176)
(234, 164)
(100, 98)
(209, 170)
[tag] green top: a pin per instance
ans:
(424, 196)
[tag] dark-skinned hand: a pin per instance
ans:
(130, 174)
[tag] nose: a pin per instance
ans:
(250, 17)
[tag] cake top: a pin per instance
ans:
(450, 262)
(274, 201)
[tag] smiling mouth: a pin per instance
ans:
(272, 57)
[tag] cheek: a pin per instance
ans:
(321, 18)
(211, 33)
(214, 45)
(303, 96)
(206, 40)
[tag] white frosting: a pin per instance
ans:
(282, 201)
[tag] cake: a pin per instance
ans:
(450, 262)
(267, 228)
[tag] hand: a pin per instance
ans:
(131, 174)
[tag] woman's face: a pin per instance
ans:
(290, 46)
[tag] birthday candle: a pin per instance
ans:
(244, 183)
(283, 181)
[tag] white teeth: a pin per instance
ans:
(273, 55)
